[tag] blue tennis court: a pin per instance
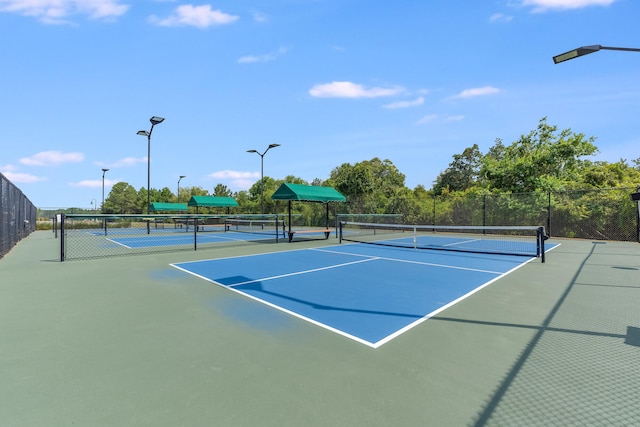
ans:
(174, 239)
(370, 294)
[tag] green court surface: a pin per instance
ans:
(132, 341)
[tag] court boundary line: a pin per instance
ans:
(453, 267)
(313, 270)
(278, 307)
(368, 258)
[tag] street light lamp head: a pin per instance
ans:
(581, 51)
(182, 176)
(274, 145)
(105, 170)
(585, 50)
(156, 120)
(143, 133)
(252, 151)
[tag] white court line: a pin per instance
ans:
(366, 259)
(118, 243)
(462, 243)
(313, 270)
(430, 264)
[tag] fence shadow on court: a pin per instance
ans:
(574, 370)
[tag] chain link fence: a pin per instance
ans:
(17, 215)
(85, 236)
(603, 214)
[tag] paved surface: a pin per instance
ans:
(134, 342)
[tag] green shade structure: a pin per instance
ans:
(308, 193)
(212, 202)
(169, 207)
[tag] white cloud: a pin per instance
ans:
(229, 174)
(123, 163)
(427, 119)
(440, 118)
(237, 180)
(23, 178)
(271, 56)
(260, 17)
(195, 16)
(544, 5)
(405, 104)
(55, 11)
(478, 91)
(500, 17)
(88, 183)
(351, 90)
(52, 158)
(94, 183)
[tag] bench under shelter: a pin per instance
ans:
(308, 193)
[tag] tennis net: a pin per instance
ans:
(503, 240)
(270, 226)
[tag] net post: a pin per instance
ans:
(340, 232)
(415, 238)
(195, 233)
(540, 242)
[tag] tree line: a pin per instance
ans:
(544, 160)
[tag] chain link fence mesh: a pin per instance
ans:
(17, 215)
(85, 236)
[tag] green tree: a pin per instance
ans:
(462, 173)
(165, 195)
(222, 190)
(544, 159)
(122, 199)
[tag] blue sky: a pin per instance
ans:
(332, 81)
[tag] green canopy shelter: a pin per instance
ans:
(168, 207)
(308, 193)
(213, 202)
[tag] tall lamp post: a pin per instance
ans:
(586, 50)
(102, 205)
(154, 121)
(262, 172)
(104, 221)
(181, 176)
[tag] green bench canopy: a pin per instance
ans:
(213, 202)
(170, 207)
(308, 193)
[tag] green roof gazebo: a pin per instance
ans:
(213, 202)
(308, 193)
(168, 207)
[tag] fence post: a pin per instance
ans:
(549, 213)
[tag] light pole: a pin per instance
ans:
(586, 50)
(104, 221)
(102, 206)
(181, 176)
(154, 121)
(262, 172)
